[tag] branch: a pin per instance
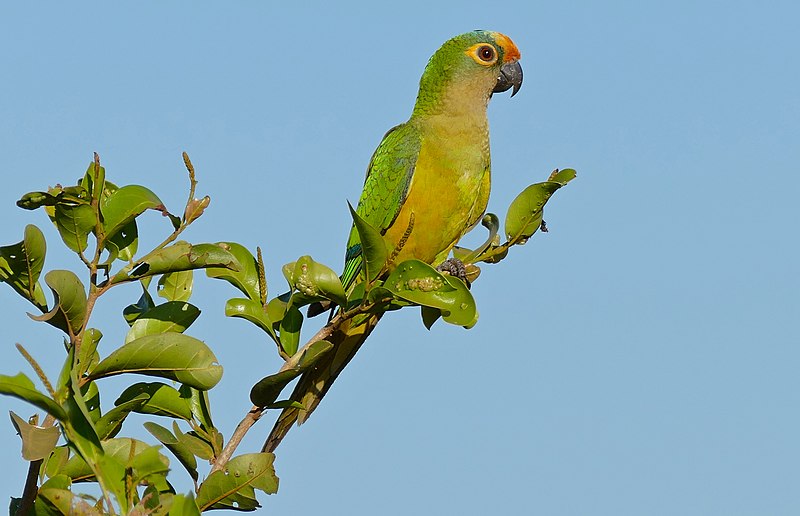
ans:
(255, 413)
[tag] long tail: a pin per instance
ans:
(314, 384)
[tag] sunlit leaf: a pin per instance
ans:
(176, 286)
(524, 216)
(267, 390)
(181, 256)
(418, 282)
(181, 451)
(124, 205)
(373, 247)
(89, 357)
(246, 278)
(124, 243)
(169, 355)
(172, 316)
(290, 330)
(163, 400)
(21, 264)
(20, 386)
(69, 304)
(111, 422)
(37, 441)
(316, 281)
(74, 223)
(234, 486)
(250, 310)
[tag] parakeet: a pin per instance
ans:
(427, 183)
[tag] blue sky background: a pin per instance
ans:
(641, 358)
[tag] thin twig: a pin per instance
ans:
(255, 413)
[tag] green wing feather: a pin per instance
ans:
(386, 187)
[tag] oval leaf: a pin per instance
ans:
(69, 303)
(20, 386)
(234, 487)
(246, 278)
(172, 316)
(168, 355)
(124, 205)
(176, 286)
(373, 247)
(163, 400)
(250, 310)
(21, 264)
(316, 281)
(421, 284)
(181, 452)
(181, 256)
(74, 223)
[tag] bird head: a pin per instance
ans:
(468, 69)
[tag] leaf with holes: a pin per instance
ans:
(21, 265)
(234, 487)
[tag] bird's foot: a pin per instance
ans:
(454, 267)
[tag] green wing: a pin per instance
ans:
(385, 189)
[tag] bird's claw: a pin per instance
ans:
(456, 268)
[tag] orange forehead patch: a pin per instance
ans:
(510, 50)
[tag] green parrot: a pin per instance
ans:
(427, 184)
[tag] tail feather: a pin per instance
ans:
(314, 384)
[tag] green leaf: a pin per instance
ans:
(563, 176)
(524, 216)
(198, 401)
(56, 460)
(430, 315)
(373, 247)
(20, 386)
(163, 400)
(69, 303)
(246, 278)
(124, 205)
(124, 243)
(491, 222)
(145, 461)
(234, 487)
(181, 256)
(266, 391)
(169, 355)
(145, 303)
(37, 442)
(111, 423)
(290, 330)
(316, 281)
(89, 357)
(172, 316)
(74, 223)
(21, 264)
(181, 451)
(184, 505)
(176, 286)
(58, 501)
(250, 310)
(419, 283)
(199, 447)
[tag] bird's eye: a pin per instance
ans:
(486, 53)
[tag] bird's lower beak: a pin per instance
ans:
(510, 76)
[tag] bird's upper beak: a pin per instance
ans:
(510, 76)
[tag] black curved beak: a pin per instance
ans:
(510, 76)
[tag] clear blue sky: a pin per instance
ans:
(641, 358)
